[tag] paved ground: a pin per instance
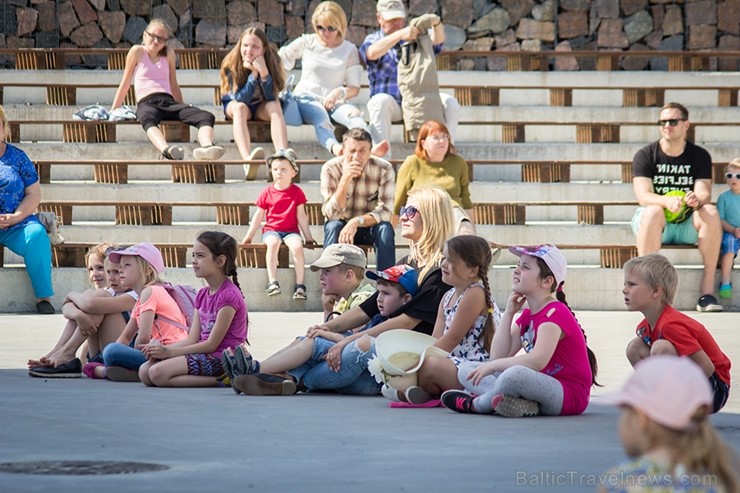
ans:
(212, 440)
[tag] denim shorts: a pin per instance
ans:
(730, 244)
(682, 233)
(282, 235)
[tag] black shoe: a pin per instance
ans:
(264, 384)
(70, 369)
(45, 308)
(708, 303)
(244, 364)
(458, 401)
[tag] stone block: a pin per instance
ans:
(296, 7)
(731, 43)
(653, 40)
(633, 62)
(565, 63)
(214, 10)
(276, 34)
(270, 12)
(134, 30)
(702, 36)
(137, 7)
(99, 5)
(85, 12)
(496, 21)
(672, 43)
(703, 12)
(729, 20)
(416, 8)
(165, 13)
(673, 21)
(356, 34)
(531, 29)
(294, 26)
(112, 24)
(211, 33)
(517, 9)
(46, 39)
(480, 44)
(630, 7)
(572, 24)
(658, 13)
(179, 6)
(27, 20)
(457, 12)
(544, 11)
(611, 34)
(86, 35)
(506, 38)
(67, 18)
(582, 5)
(532, 45)
(240, 12)
(454, 37)
(638, 26)
(363, 13)
(605, 9)
(47, 16)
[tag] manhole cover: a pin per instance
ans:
(80, 467)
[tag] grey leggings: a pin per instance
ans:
(518, 381)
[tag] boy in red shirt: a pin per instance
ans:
(282, 206)
(650, 284)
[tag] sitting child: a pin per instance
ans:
(728, 205)
(665, 429)
(396, 286)
(650, 284)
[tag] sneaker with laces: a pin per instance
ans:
(175, 153)
(390, 393)
(509, 406)
(708, 303)
(211, 152)
(458, 401)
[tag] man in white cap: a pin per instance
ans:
(380, 52)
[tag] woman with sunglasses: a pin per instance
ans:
(330, 75)
(151, 68)
(434, 162)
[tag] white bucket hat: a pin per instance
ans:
(399, 355)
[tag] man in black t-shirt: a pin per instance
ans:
(673, 185)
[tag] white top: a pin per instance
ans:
(324, 69)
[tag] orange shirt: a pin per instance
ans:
(161, 303)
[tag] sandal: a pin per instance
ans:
(273, 288)
(299, 292)
(175, 153)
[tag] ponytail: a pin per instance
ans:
(593, 363)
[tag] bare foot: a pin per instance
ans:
(381, 148)
(37, 363)
(57, 359)
(337, 149)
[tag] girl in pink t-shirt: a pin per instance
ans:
(155, 319)
(219, 321)
(555, 374)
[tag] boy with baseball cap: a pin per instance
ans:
(650, 284)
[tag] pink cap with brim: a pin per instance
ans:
(668, 389)
(147, 251)
(550, 254)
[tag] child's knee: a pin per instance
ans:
(637, 350)
(663, 347)
(364, 343)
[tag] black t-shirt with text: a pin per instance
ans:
(672, 173)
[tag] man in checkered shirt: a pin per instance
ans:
(380, 52)
(357, 189)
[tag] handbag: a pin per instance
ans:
(289, 103)
(50, 221)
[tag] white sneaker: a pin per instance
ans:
(210, 153)
(250, 171)
(389, 393)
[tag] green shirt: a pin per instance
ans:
(451, 174)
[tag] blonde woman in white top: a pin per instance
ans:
(330, 76)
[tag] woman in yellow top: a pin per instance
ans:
(434, 162)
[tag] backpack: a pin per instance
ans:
(92, 112)
(184, 296)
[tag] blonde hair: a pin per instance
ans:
(6, 128)
(699, 448)
(148, 273)
(435, 208)
(359, 271)
(657, 272)
(161, 23)
(99, 250)
(333, 13)
(234, 75)
(735, 163)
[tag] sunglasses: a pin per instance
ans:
(331, 29)
(157, 38)
(409, 211)
(671, 123)
(730, 176)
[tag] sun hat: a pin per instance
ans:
(286, 154)
(550, 254)
(391, 9)
(340, 253)
(403, 274)
(400, 353)
(147, 251)
(668, 389)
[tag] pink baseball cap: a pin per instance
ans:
(550, 254)
(147, 251)
(668, 389)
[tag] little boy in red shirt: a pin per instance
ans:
(650, 284)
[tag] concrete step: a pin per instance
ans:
(586, 288)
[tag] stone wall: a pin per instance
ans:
(482, 25)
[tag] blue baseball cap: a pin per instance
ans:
(403, 274)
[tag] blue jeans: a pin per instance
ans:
(352, 378)
(32, 243)
(381, 236)
(117, 354)
(314, 113)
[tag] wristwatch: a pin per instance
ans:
(361, 221)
